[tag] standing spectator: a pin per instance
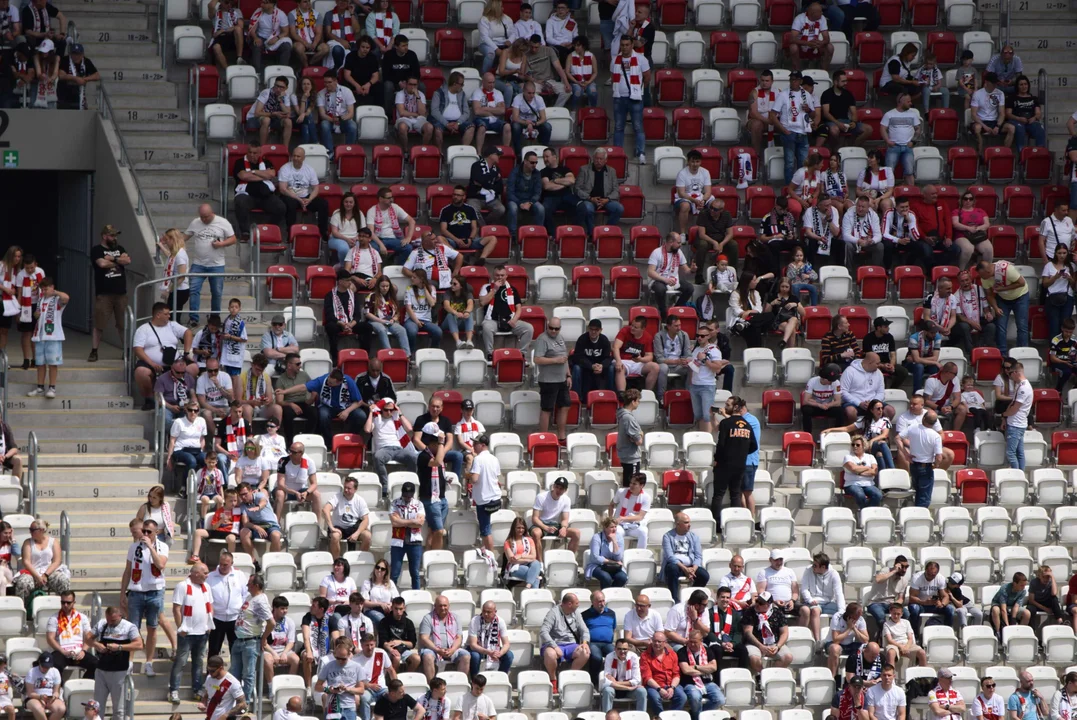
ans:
(631, 76)
(735, 456)
(1023, 111)
(433, 480)
(397, 67)
(222, 696)
(550, 354)
(621, 678)
(707, 364)
(581, 66)
(227, 587)
(207, 237)
(175, 292)
(306, 33)
(336, 112)
(682, 556)
(340, 27)
(340, 679)
(114, 639)
(37, 17)
(765, 634)
(809, 39)
(524, 186)
(144, 582)
(407, 517)
(48, 337)
(988, 104)
(900, 129)
(1007, 293)
(362, 73)
(1057, 229)
(110, 261)
(793, 114)
(298, 186)
(68, 634)
(1007, 67)
(597, 191)
(321, 629)
(390, 436)
(564, 637)
(192, 609)
(504, 306)
(923, 445)
(75, 71)
(485, 488)
(269, 38)
(273, 110)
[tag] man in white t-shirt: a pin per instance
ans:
(988, 705)
(156, 345)
(822, 397)
(475, 704)
(273, 110)
(641, 623)
(988, 106)
(944, 700)
(741, 588)
(391, 224)
(434, 255)
(794, 113)
(529, 119)
(278, 642)
(550, 515)
(336, 112)
(1016, 418)
(66, 635)
(900, 128)
(268, 37)
(488, 109)
(899, 640)
(664, 268)
(485, 487)
(222, 695)
(192, 609)
(298, 186)
(885, 701)
(207, 237)
(810, 38)
(926, 594)
(348, 518)
(779, 581)
(297, 480)
(1057, 228)
(411, 113)
(144, 582)
(693, 192)
(631, 76)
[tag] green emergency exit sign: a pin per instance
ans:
(11, 159)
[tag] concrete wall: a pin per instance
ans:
(49, 139)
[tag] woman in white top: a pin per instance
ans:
(512, 70)
(9, 268)
(835, 184)
(273, 445)
(860, 474)
(42, 563)
(187, 439)
(8, 553)
(875, 427)
(253, 467)
(156, 508)
(378, 592)
(174, 244)
(419, 303)
(344, 226)
(876, 182)
(804, 189)
(337, 586)
(746, 311)
(1058, 278)
(496, 32)
(382, 311)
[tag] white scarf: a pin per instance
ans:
(338, 307)
(81, 73)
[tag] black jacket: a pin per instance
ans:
(485, 177)
(373, 390)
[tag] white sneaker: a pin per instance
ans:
(642, 159)
(174, 698)
(147, 669)
(460, 344)
(36, 392)
(50, 393)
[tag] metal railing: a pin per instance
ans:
(32, 451)
(1005, 17)
(5, 366)
(129, 697)
(160, 442)
(162, 30)
(191, 523)
(104, 109)
(259, 683)
(194, 79)
(96, 609)
(65, 538)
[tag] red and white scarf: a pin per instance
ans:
(382, 308)
(621, 674)
(342, 26)
(213, 483)
(375, 259)
(525, 547)
(235, 434)
(638, 30)
(450, 627)
(219, 520)
(170, 269)
(439, 268)
(27, 290)
(274, 30)
(338, 307)
(225, 19)
(583, 67)
(383, 27)
(379, 220)
(622, 66)
(468, 431)
(699, 658)
(256, 386)
(635, 508)
(723, 621)
(744, 593)
(401, 433)
(188, 608)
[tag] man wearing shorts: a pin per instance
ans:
(433, 482)
(564, 637)
(484, 487)
(554, 377)
(765, 634)
(260, 521)
(297, 480)
(396, 632)
(348, 518)
(144, 585)
(110, 261)
(633, 355)
(549, 517)
(442, 641)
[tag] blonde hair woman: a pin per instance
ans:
(9, 269)
(174, 244)
(496, 32)
(42, 563)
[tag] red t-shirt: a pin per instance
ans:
(631, 347)
(1072, 588)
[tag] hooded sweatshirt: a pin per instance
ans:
(858, 385)
(824, 588)
(628, 430)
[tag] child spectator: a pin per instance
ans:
(721, 280)
(210, 485)
(931, 82)
(803, 276)
(967, 77)
(6, 705)
(28, 283)
(973, 399)
(233, 344)
(207, 341)
(222, 525)
(49, 337)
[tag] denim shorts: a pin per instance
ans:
(748, 484)
(436, 512)
(486, 526)
(702, 399)
(146, 605)
(233, 371)
(49, 352)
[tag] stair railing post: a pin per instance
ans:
(32, 450)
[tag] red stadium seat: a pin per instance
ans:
(306, 242)
(869, 49)
(348, 450)
(644, 239)
(618, 160)
(964, 164)
(654, 125)
(593, 126)
(944, 45)
(1037, 324)
(534, 244)
(209, 81)
(726, 46)
(688, 126)
(602, 408)
(316, 75)
(742, 235)
(388, 163)
(407, 197)
(571, 244)
(648, 313)
(890, 12)
(972, 486)
(451, 402)
(859, 319)
(476, 277)
(689, 319)
(729, 195)
(1036, 165)
(799, 449)
(534, 316)
(947, 271)
(269, 240)
(425, 163)
(1050, 194)
(573, 157)
(986, 362)
(679, 485)
(1032, 245)
(366, 196)
(945, 125)
(634, 203)
(917, 315)
(857, 84)
(394, 363)
(780, 13)
(679, 412)
(437, 197)
(501, 252)
(280, 288)
(732, 163)
(449, 47)
(873, 117)
(872, 282)
(1005, 241)
(321, 279)
(588, 283)
(1001, 164)
(544, 450)
(957, 442)
(611, 449)
(712, 160)
(352, 361)
(333, 195)
(1019, 203)
(779, 408)
(910, 191)
(910, 283)
(741, 82)
(760, 201)
(672, 13)
(924, 14)
(986, 199)
(817, 320)
(351, 163)
(609, 243)
(434, 13)
(432, 78)
(1046, 406)
(626, 283)
(509, 367)
(950, 195)
(1064, 447)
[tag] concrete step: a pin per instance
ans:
(72, 389)
(163, 126)
(149, 179)
(169, 141)
(81, 491)
(104, 50)
(1060, 7)
(66, 480)
(81, 372)
(159, 114)
(78, 437)
(62, 401)
(102, 38)
(74, 418)
(83, 529)
(133, 84)
(124, 22)
(108, 8)
(165, 206)
(84, 566)
(100, 453)
(161, 164)
(121, 514)
(106, 547)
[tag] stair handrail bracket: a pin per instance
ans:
(33, 449)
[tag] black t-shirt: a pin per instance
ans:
(241, 165)
(839, 104)
(28, 18)
(391, 629)
(458, 219)
(398, 710)
(443, 423)
(556, 173)
(362, 68)
(857, 664)
(606, 10)
(108, 281)
(598, 189)
(1022, 107)
(425, 470)
(716, 228)
(682, 657)
(882, 346)
(396, 69)
(68, 92)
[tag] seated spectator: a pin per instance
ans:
(665, 268)
(751, 317)
(379, 593)
(391, 224)
(75, 71)
(382, 25)
(839, 346)
(298, 186)
(411, 112)
(558, 183)
(44, 690)
(932, 83)
(253, 467)
(232, 430)
(488, 642)
(923, 358)
(597, 191)
(1024, 112)
(407, 517)
(809, 40)
(564, 638)
(692, 192)
(256, 189)
(699, 666)
(524, 186)
(336, 112)
(373, 385)
(37, 18)
(881, 342)
(1062, 355)
(273, 110)
(259, 521)
(363, 261)
(661, 675)
(861, 383)
(1008, 604)
(268, 37)
(861, 468)
(887, 587)
(629, 507)
(860, 229)
(787, 311)
(187, 439)
(581, 66)
(765, 634)
(805, 187)
(66, 635)
(156, 346)
(227, 32)
(255, 391)
(1007, 67)
(396, 631)
(382, 313)
(682, 556)
(876, 183)
(459, 226)
(374, 672)
(43, 570)
(970, 225)
(607, 556)
(821, 593)
(277, 343)
(899, 75)
(338, 586)
(903, 245)
(934, 223)
(821, 227)
(504, 306)
(561, 30)
(853, 699)
(496, 33)
(465, 432)
(177, 386)
(943, 395)
(822, 397)
(511, 71)
(290, 392)
(521, 556)
(778, 230)
(945, 698)
(320, 631)
(223, 524)
(899, 641)
(839, 116)
(714, 240)
(420, 299)
(866, 663)
(488, 109)
(485, 187)
(633, 355)
(1043, 595)
(362, 72)
(592, 361)
(848, 633)
(621, 678)
(529, 119)
(988, 104)
(306, 32)
(211, 483)
(927, 594)
(339, 316)
(685, 617)
(397, 67)
(297, 481)
(550, 515)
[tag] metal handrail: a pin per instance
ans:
(1004, 18)
(32, 450)
(65, 537)
(128, 349)
(259, 683)
(160, 442)
(162, 30)
(129, 697)
(106, 112)
(4, 368)
(96, 608)
(192, 511)
(194, 76)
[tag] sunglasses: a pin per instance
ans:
(989, 686)
(192, 410)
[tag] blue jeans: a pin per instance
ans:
(710, 697)
(544, 132)
(368, 700)
(489, 54)
(348, 130)
(903, 153)
(503, 664)
(658, 706)
(883, 456)
(338, 246)
(1015, 447)
(813, 292)
(865, 495)
(376, 616)
(145, 605)
(947, 612)
(606, 579)
(454, 325)
(529, 573)
(397, 330)
(551, 204)
(455, 460)
(926, 97)
(585, 214)
(673, 576)
(621, 108)
(189, 458)
(246, 654)
(606, 28)
(796, 152)
(308, 130)
(880, 611)
(584, 383)
(590, 91)
(216, 289)
(918, 372)
(412, 331)
(538, 210)
(415, 562)
(193, 646)
(923, 482)
(1022, 133)
(1018, 307)
(702, 399)
(1055, 315)
(637, 695)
